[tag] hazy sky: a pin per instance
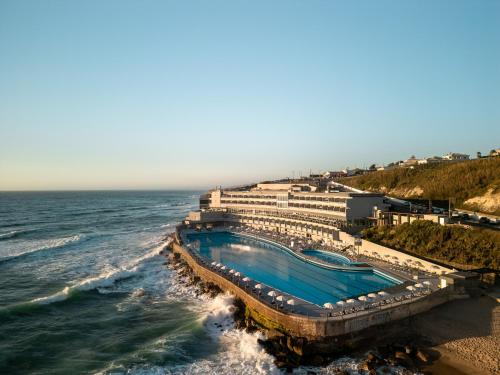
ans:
(168, 94)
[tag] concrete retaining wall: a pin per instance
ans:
(367, 248)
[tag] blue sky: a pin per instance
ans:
(175, 94)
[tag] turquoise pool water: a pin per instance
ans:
(327, 257)
(272, 265)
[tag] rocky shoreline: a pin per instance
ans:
(395, 348)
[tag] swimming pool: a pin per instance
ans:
(327, 256)
(272, 265)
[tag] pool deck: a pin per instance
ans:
(305, 319)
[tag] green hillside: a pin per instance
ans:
(450, 244)
(473, 184)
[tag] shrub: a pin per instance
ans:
(471, 247)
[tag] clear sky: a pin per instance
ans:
(173, 94)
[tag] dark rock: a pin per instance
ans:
(385, 351)
(422, 356)
(296, 345)
(372, 357)
(410, 350)
(274, 334)
(289, 343)
(381, 362)
(403, 359)
(317, 360)
(276, 346)
(280, 364)
(366, 366)
(391, 360)
(283, 341)
(298, 349)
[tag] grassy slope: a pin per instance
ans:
(459, 181)
(450, 244)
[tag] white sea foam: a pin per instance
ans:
(60, 242)
(104, 280)
(59, 296)
(8, 234)
(40, 245)
(239, 351)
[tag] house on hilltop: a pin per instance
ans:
(454, 156)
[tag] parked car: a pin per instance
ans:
(484, 220)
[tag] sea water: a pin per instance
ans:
(83, 290)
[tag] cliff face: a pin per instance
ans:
(488, 202)
(473, 184)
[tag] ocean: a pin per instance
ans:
(83, 290)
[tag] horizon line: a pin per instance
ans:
(98, 190)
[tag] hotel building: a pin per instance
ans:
(291, 209)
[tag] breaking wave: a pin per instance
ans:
(241, 352)
(103, 280)
(43, 246)
(100, 283)
(12, 234)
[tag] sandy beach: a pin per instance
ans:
(466, 333)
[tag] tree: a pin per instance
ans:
(479, 155)
(372, 167)
(492, 152)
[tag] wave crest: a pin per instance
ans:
(11, 234)
(103, 280)
(44, 245)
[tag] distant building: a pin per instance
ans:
(454, 156)
(431, 160)
(284, 186)
(353, 172)
(494, 153)
(411, 162)
(383, 218)
(386, 167)
(334, 174)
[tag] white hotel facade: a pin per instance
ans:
(284, 208)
